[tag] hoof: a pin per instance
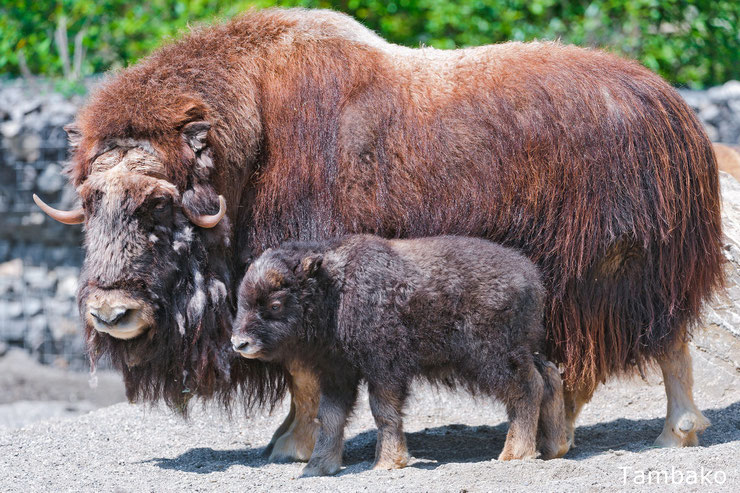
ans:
(683, 431)
(320, 470)
(288, 448)
(387, 464)
(554, 452)
(505, 455)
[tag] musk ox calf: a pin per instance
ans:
(451, 309)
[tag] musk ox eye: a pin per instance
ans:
(275, 306)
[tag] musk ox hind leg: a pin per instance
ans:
(523, 407)
(552, 440)
(338, 395)
(683, 419)
(386, 404)
(294, 440)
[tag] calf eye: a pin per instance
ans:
(275, 306)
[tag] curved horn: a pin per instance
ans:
(76, 216)
(209, 221)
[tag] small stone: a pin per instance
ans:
(11, 309)
(729, 90)
(710, 113)
(12, 268)
(39, 278)
(51, 179)
(712, 132)
(10, 129)
(67, 287)
(32, 306)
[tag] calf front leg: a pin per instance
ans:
(683, 419)
(295, 438)
(336, 402)
(386, 405)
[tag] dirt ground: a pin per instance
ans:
(453, 438)
(31, 392)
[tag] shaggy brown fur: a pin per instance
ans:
(589, 163)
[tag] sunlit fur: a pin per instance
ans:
(590, 164)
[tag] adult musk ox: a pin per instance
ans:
(310, 126)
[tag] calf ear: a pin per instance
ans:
(74, 135)
(310, 265)
(195, 134)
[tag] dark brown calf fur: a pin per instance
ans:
(590, 164)
(451, 309)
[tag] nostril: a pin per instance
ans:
(110, 317)
(243, 345)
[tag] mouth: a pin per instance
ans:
(121, 333)
(251, 352)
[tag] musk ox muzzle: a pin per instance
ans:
(118, 314)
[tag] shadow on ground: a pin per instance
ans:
(459, 443)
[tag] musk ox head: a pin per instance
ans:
(154, 285)
(275, 297)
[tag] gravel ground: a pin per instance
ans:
(453, 438)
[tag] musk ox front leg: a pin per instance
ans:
(294, 440)
(386, 405)
(683, 420)
(338, 396)
(574, 399)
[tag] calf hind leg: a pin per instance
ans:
(386, 405)
(523, 407)
(683, 419)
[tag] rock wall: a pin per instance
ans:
(40, 258)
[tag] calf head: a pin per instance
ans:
(276, 297)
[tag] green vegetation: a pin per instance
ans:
(689, 42)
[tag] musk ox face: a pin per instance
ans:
(137, 225)
(138, 231)
(154, 284)
(270, 313)
(132, 226)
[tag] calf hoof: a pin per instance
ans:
(290, 448)
(321, 468)
(683, 431)
(393, 463)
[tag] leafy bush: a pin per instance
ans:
(693, 42)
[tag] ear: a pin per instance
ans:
(195, 134)
(310, 265)
(74, 135)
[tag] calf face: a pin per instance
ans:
(270, 312)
